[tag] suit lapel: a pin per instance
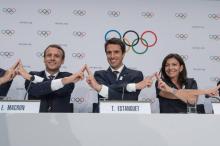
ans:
(121, 77)
(110, 75)
(59, 75)
(123, 73)
(43, 75)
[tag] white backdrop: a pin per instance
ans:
(190, 28)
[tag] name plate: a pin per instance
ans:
(124, 107)
(216, 108)
(19, 106)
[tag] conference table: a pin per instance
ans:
(89, 129)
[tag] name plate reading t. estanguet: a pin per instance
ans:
(125, 107)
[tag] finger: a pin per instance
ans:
(149, 84)
(158, 76)
(149, 77)
(14, 66)
(83, 68)
(89, 72)
(88, 81)
(81, 74)
(153, 76)
(81, 77)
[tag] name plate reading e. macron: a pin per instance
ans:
(125, 107)
(19, 106)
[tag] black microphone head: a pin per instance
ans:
(207, 96)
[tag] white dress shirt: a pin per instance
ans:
(56, 84)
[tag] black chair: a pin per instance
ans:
(95, 107)
(200, 108)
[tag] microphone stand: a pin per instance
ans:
(29, 85)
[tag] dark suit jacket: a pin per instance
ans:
(4, 87)
(117, 87)
(51, 101)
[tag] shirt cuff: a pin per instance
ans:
(104, 91)
(37, 79)
(56, 84)
(131, 87)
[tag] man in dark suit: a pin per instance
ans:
(6, 77)
(117, 82)
(51, 86)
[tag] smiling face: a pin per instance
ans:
(114, 55)
(53, 59)
(173, 68)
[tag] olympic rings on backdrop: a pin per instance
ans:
(135, 41)
(142, 51)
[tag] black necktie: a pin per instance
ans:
(115, 74)
(51, 77)
(48, 98)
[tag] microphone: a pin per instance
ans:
(207, 96)
(29, 85)
(123, 87)
(123, 93)
(213, 97)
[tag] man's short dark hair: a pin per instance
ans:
(55, 46)
(116, 41)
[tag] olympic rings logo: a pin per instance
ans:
(214, 37)
(40, 54)
(113, 13)
(7, 32)
(147, 14)
(78, 55)
(131, 44)
(181, 15)
(184, 57)
(181, 36)
(79, 12)
(150, 100)
(79, 34)
(79, 100)
(7, 54)
(214, 16)
(214, 58)
(9, 10)
(44, 33)
(44, 11)
(215, 79)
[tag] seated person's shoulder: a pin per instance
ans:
(190, 80)
(66, 74)
(98, 72)
(36, 73)
(190, 83)
(133, 71)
